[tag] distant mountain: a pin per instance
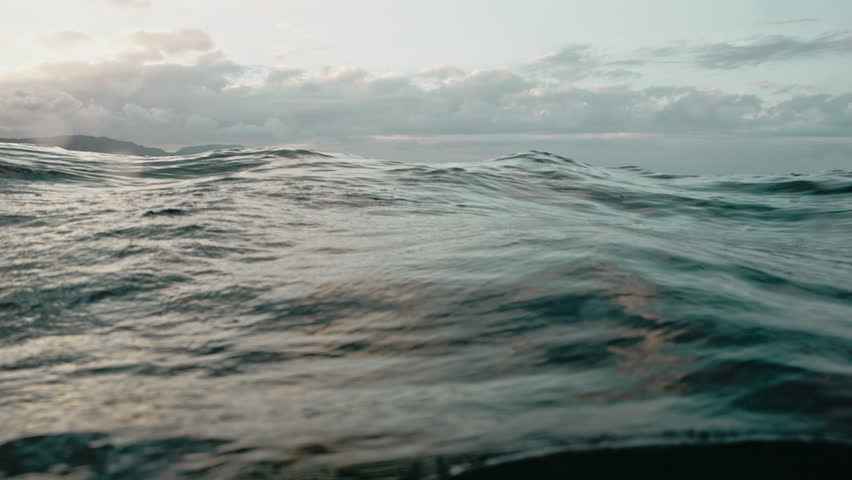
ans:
(85, 143)
(204, 148)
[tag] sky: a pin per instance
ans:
(746, 86)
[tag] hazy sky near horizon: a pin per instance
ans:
(748, 85)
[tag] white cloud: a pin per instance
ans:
(571, 63)
(753, 51)
(173, 43)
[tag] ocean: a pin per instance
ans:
(275, 313)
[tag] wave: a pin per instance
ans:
(271, 311)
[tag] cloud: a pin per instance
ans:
(819, 115)
(441, 72)
(580, 61)
(39, 108)
(781, 88)
(794, 20)
(619, 74)
(131, 3)
(767, 48)
(572, 62)
(749, 52)
(173, 43)
(64, 39)
(208, 98)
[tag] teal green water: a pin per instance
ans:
(261, 312)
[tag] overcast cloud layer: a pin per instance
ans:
(175, 87)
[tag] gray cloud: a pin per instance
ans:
(210, 99)
(814, 115)
(64, 39)
(794, 20)
(628, 62)
(619, 74)
(769, 48)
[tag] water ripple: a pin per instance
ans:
(271, 312)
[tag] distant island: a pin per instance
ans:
(85, 143)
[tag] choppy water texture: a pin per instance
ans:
(259, 313)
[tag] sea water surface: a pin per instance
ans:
(273, 313)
